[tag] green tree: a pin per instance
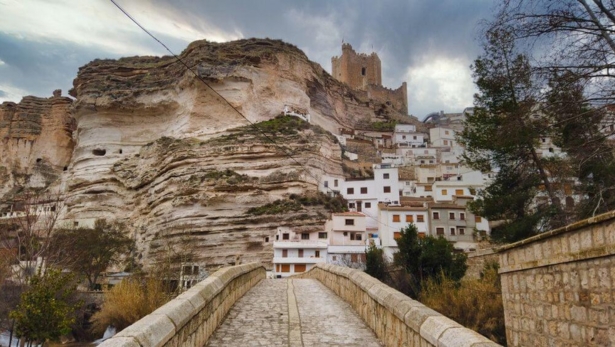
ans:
(503, 135)
(375, 264)
(44, 312)
(90, 251)
(427, 258)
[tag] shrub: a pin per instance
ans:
(129, 301)
(474, 303)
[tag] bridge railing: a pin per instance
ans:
(396, 319)
(192, 317)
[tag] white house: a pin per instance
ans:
(348, 239)
(405, 135)
(442, 137)
(394, 218)
(363, 195)
(297, 252)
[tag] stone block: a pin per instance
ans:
(435, 326)
(178, 310)
(118, 341)
(150, 331)
(417, 316)
(194, 296)
(461, 337)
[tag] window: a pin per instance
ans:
(385, 176)
(462, 231)
(420, 219)
(543, 140)
(285, 267)
(462, 216)
(326, 184)
(428, 188)
(334, 257)
(436, 215)
(322, 235)
(354, 258)
(396, 218)
(477, 219)
(452, 231)
(355, 237)
(421, 235)
(286, 236)
(414, 137)
(335, 183)
(277, 237)
(349, 221)
(368, 205)
(439, 231)
(351, 205)
(445, 142)
(458, 191)
(349, 190)
(305, 236)
(396, 235)
(266, 239)
(387, 189)
(551, 149)
(451, 215)
(403, 137)
(363, 190)
(285, 253)
(299, 268)
(316, 254)
(409, 218)
(446, 132)
(300, 253)
(363, 71)
(444, 192)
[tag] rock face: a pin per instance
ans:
(159, 149)
(36, 141)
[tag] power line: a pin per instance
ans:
(233, 107)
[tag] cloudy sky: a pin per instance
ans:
(428, 44)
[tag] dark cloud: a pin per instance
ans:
(405, 33)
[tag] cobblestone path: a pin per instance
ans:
(298, 312)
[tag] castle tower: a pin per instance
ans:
(364, 72)
(357, 70)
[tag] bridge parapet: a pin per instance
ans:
(191, 318)
(396, 319)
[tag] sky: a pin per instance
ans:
(428, 44)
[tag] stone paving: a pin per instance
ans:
(298, 312)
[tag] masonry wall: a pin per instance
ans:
(192, 317)
(558, 287)
(396, 319)
(476, 261)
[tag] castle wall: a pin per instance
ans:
(364, 72)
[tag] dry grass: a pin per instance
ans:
(129, 301)
(474, 303)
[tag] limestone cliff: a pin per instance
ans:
(37, 142)
(159, 149)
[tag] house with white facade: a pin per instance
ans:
(442, 137)
(297, 252)
(348, 238)
(453, 221)
(363, 195)
(395, 218)
(405, 135)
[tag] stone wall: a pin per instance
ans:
(396, 319)
(191, 318)
(557, 287)
(477, 260)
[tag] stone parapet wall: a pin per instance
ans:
(396, 319)
(558, 286)
(192, 317)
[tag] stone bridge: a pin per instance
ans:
(326, 306)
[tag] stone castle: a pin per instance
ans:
(363, 73)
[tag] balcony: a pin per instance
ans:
(297, 260)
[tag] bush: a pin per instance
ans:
(129, 301)
(474, 303)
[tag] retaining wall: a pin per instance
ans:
(396, 319)
(192, 317)
(558, 286)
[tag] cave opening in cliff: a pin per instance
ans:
(99, 152)
(38, 160)
(120, 151)
(65, 168)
